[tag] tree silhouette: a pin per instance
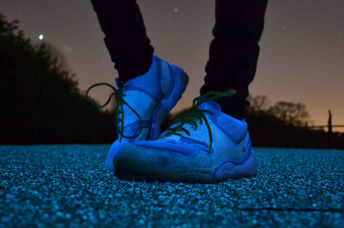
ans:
(259, 103)
(292, 113)
(40, 100)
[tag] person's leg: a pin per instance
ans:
(234, 52)
(125, 36)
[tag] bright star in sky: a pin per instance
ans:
(41, 37)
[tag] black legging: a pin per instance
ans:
(233, 52)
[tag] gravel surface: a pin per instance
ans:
(67, 185)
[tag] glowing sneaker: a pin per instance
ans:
(204, 145)
(143, 102)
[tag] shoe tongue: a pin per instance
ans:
(211, 105)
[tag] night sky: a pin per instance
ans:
(302, 47)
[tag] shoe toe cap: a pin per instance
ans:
(160, 156)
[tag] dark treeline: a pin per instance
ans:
(286, 124)
(41, 104)
(39, 97)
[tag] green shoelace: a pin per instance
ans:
(193, 114)
(119, 122)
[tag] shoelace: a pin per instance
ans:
(194, 113)
(120, 102)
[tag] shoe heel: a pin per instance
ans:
(180, 81)
(248, 168)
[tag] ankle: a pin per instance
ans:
(134, 70)
(236, 112)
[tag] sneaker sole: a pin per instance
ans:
(129, 169)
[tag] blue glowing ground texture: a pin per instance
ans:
(67, 185)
